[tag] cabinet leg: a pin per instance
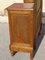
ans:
(13, 52)
(31, 55)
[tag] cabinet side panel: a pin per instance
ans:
(22, 27)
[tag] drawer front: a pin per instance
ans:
(21, 27)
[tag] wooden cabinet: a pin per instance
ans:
(24, 27)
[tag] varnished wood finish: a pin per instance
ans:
(24, 27)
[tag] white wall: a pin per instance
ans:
(6, 3)
(43, 5)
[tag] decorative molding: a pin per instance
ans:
(4, 18)
(4, 13)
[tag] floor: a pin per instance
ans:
(4, 46)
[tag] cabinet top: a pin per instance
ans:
(21, 6)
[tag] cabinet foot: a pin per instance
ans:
(31, 55)
(13, 52)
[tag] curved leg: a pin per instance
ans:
(31, 55)
(12, 52)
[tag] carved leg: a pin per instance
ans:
(12, 52)
(31, 55)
